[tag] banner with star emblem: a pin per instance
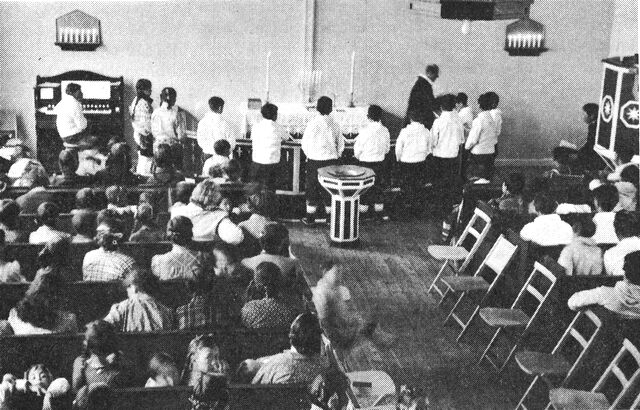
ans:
(619, 114)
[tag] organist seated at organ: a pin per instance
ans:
(70, 121)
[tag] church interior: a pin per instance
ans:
(495, 268)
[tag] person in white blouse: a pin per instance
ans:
(266, 143)
(140, 111)
(483, 138)
(413, 146)
(323, 144)
(212, 127)
(370, 149)
(70, 120)
(168, 125)
(448, 136)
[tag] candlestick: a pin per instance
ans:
(353, 68)
(268, 72)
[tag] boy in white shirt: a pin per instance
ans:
(547, 229)
(370, 148)
(266, 143)
(448, 136)
(322, 143)
(464, 111)
(222, 150)
(212, 127)
(627, 226)
(70, 120)
(483, 138)
(412, 147)
(168, 125)
(605, 199)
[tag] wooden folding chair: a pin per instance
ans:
(496, 261)
(514, 319)
(474, 233)
(570, 399)
(636, 403)
(549, 367)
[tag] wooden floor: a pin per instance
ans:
(389, 275)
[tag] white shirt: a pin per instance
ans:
(266, 142)
(448, 135)
(605, 232)
(496, 114)
(211, 162)
(623, 298)
(414, 143)
(372, 143)
(322, 139)
(167, 125)
(70, 120)
(483, 136)
(614, 257)
(547, 230)
(211, 128)
(210, 225)
(45, 234)
(466, 116)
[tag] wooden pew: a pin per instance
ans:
(29, 222)
(242, 397)
(59, 351)
(27, 255)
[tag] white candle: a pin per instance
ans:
(268, 70)
(95, 35)
(353, 68)
(510, 41)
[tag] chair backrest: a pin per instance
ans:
(474, 234)
(335, 360)
(583, 322)
(496, 261)
(614, 370)
(534, 286)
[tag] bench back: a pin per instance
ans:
(29, 222)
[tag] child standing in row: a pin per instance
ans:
(168, 125)
(483, 138)
(140, 112)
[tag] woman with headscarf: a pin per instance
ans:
(210, 223)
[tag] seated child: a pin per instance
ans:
(605, 198)
(628, 189)
(146, 229)
(68, 163)
(9, 270)
(627, 227)
(29, 392)
(547, 229)
(623, 298)
(183, 192)
(511, 200)
(261, 205)
(582, 256)
(117, 201)
(84, 223)
(47, 216)
(578, 201)
(85, 201)
(222, 150)
(163, 371)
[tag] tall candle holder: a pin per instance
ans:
(78, 31)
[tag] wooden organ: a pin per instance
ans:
(103, 106)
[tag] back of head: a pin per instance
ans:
(631, 267)
(180, 230)
(55, 253)
(115, 195)
(591, 109)
(584, 226)
(267, 276)
(447, 102)
(269, 111)
(485, 103)
(119, 158)
(374, 113)
(84, 223)
(34, 175)
(183, 191)
(564, 155)
(626, 224)
(9, 211)
(222, 147)
(324, 105)
(72, 88)
(162, 157)
(85, 198)
(606, 197)
(630, 174)
(462, 98)
(206, 195)
(145, 214)
(168, 95)
(100, 338)
(626, 153)
(163, 363)
(544, 204)
(494, 98)
(432, 69)
(305, 334)
(109, 234)
(232, 169)
(262, 202)
(416, 115)
(216, 104)
(142, 85)
(515, 183)
(142, 279)
(48, 213)
(68, 161)
(275, 237)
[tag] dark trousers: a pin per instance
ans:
(445, 181)
(177, 153)
(484, 164)
(375, 194)
(412, 181)
(265, 175)
(315, 193)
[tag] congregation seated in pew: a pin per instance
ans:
(9, 269)
(582, 256)
(107, 262)
(47, 216)
(9, 221)
(605, 199)
(627, 227)
(84, 224)
(183, 261)
(547, 229)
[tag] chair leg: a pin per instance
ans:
(453, 309)
(468, 324)
(446, 294)
(434, 284)
(509, 356)
(521, 404)
(489, 346)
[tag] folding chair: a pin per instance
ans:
(452, 255)
(553, 366)
(636, 403)
(514, 319)
(496, 261)
(570, 399)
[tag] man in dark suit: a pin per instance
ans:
(421, 98)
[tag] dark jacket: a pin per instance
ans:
(422, 99)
